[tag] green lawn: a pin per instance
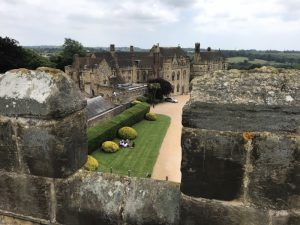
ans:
(237, 59)
(139, 160)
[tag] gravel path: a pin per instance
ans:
(169, 159)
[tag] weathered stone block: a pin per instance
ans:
(212, 164)
(8, 147)
(274, 181)
(211, 212)
(42, 123)
(231, 117)
(50, 148)
(94, 198)
(25, 195)
(43, 93)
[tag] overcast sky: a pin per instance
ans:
(225, 24)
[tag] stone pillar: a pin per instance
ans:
(241, 154)
(42, 123)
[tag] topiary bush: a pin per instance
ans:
(110, 146)
(142, 99)
(151, 116)
(135, 102)
(91, 164)
(127, 133)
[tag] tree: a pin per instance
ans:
(70, 48)
(165, 88)
(153, 88)
(13, 56)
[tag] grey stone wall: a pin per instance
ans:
(43, 146)
(240, 148)
(42, 123)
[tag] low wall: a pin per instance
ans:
(107, 114)
(89, 198)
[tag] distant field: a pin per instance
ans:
(236, 59)
(255, 61)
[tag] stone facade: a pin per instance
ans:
(173, 65)
(100, 73)
(207, 62)
(240, 149)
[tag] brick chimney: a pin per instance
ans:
(131, 48)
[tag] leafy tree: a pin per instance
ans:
(70, 48)
(153, 88)
(165, 87)
(10, 54)
(13, 56)
(34, 60)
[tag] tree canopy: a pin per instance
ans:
(70, 48)
(165, 87)
(13, 56)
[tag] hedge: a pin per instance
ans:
(108, 130)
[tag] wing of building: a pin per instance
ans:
(101, 73)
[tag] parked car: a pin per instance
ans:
(173, 100)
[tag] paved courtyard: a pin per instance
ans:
(169, 159)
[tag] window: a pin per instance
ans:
(178, 75)
(177, 89)
(173, 76)
(144, 75)
(104, 81)
(184, 74)
(138, 76)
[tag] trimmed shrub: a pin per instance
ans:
(127, 133)
(106, 131)
(135, 102)
(110, 146)
(91, 164)
(141, 99)
(151, 116)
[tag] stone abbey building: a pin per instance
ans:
(103, 72)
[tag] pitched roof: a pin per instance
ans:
(97, 105)
(170, 52)
(212, 56)
(144, 58)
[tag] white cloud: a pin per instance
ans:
(100, 22)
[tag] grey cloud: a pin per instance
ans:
(179, 3)
(83, 18)
(291, 10)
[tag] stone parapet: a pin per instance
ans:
(42, 123)
(240, 144)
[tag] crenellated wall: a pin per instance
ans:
(241, 149)
(240, 155)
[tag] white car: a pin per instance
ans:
(173, 100)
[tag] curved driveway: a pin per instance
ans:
(169, 158)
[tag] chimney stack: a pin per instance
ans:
(131, 48)
(112, 48)
(197, 47)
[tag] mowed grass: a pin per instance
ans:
(141, 159)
